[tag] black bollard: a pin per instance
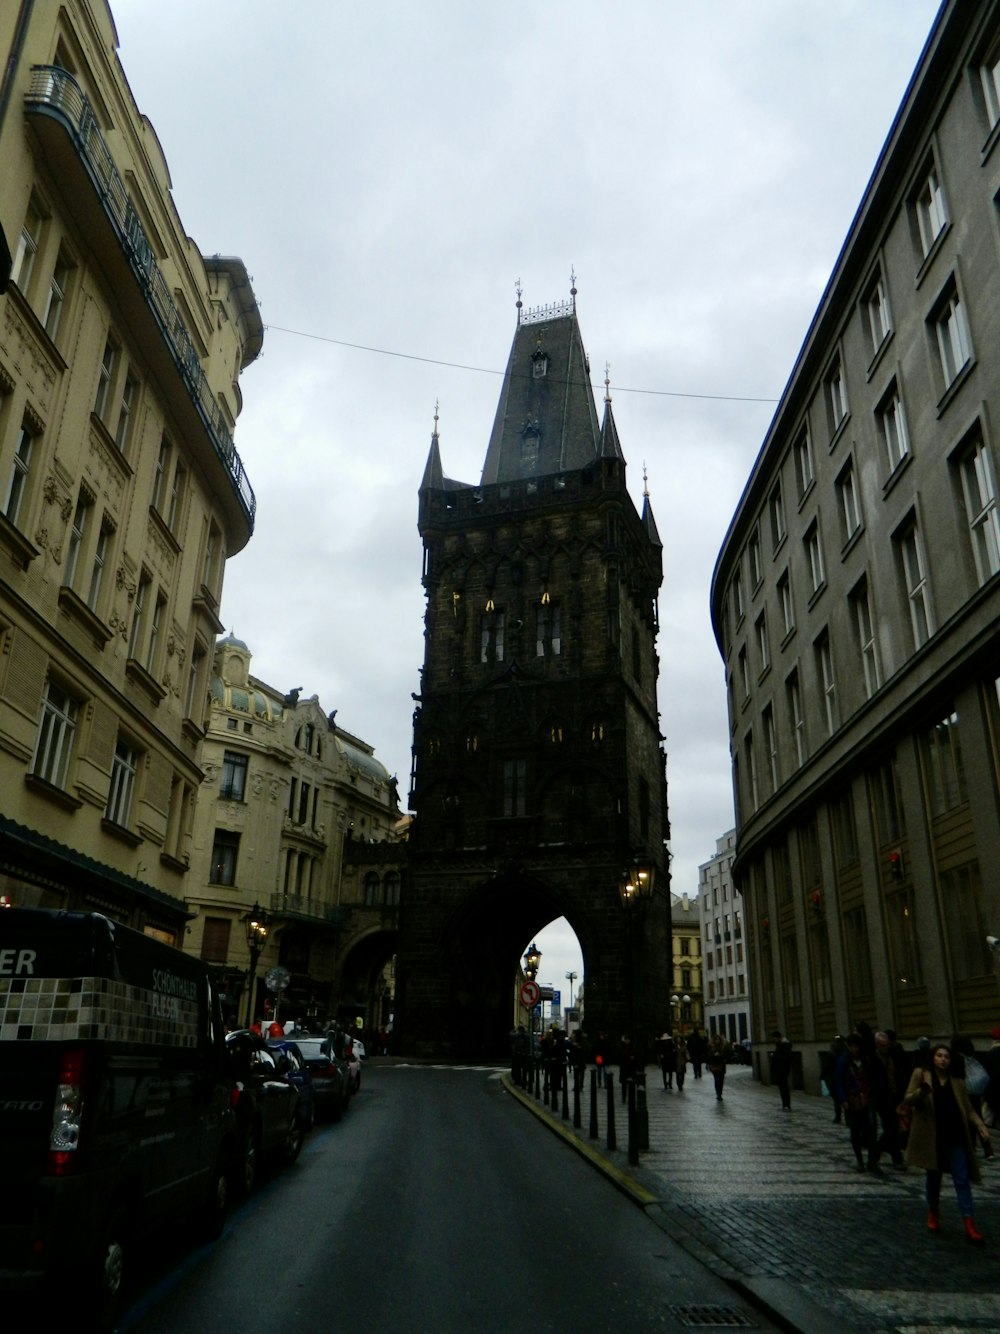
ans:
(577, 1080)
(633, 1129)
(609, 1081)
(538, 1079)
(594, 1130)
(565, 1097)
(642, 1116)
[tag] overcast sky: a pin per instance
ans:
(387, 171)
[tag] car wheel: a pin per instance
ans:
(212, 1215)
(293, 1140)
(107, 1276)
(247, 1164)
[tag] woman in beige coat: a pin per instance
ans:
(941, 1135)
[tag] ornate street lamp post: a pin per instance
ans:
(571, 978)
(255, 923)
(636, 890)
(532, 960)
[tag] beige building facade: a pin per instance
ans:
(121, 491)
(856, 599)
(297, 829)
(687, 998)
(727, 988)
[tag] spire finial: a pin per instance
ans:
(645, 480)
(572, 285)
(607, 382)
(437, 404)
(518, 289)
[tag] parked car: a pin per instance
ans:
(270, 1118)
(357, 1046)
(299, 1075)
(328, 1072)
(115, 1112)
(353, 1062)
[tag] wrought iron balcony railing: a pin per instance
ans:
(54, 92)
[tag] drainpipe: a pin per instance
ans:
(17, 46)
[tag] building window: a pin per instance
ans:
(155, 626)
(123, 431)
(979, 487)
(176, 497)
(790, 968)
(27, 247)
(233, 779)
(822, 972)
(215, 940)
(890, 420)
(392, 889)
(744, 673)
(18, 484)
(514, 794)
(796, 717)
(802, 451)
(212, 562)
(491, 635)
(877, 312)
(771, 747)
(827, 682)
(763, 651)
(787, 608)
(943, 763)
(78, 528)
(750, 768)
(739, 600)
(857, 952)
(56, 729)
(123, 771)
(845, 829)
(138, 614)
(225, 852)
(961, 895)
(953, 341)
(904, 951)
(887, 809)
(548, 630)
(930, 210)
(990, 73)
(192, 705)
(160, 476)
(850, 509)
(915, 582)
(56, 298)
(104, 379)
(865, 630)
(814, 556)
(372, 889)
(776, 506)
(99, 562)
(753, 553)
(836, 398)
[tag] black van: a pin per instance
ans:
(115, 1110)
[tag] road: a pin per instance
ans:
(437, 1204)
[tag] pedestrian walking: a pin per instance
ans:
(718, 1055)
(666, 1058)
(697, 1047)
(991, 1063)
(887, 1082)
(600, 1057)
(853, 1096)
(941, 1137)
(781, 1067)
(626, 1069)
(828, 1074)
(681, 1061)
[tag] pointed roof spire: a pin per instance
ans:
(610, 444)
(433, 471)
(648, 522)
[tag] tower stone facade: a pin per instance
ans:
(538, 765)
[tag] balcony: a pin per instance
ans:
(54, 99)
(299, 908)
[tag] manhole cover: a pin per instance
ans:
(712, 1317)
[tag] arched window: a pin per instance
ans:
(371, 889)
(392, 888)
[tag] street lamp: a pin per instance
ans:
(571, 978)
(679, 1014)
(255, 923)
(635, 890)
(532, 960)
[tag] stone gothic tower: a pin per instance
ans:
(538, 767)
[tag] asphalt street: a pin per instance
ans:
(436, 1205)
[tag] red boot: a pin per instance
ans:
(972, 1234)
(932, 1221)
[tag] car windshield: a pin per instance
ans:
(314, 1049)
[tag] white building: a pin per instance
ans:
(727, 991)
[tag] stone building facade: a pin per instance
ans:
(539, 770)
(297, 827)
(856, 599)
(727, 988)
(687, 995)
(121, 491)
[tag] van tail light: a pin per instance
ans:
(67, 1114)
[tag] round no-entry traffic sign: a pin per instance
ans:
(530, 993)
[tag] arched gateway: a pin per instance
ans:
(538, 767)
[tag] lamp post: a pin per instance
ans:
(635, 890)
(255, 923)
(680, 1015)
(532, 960)
(571, 978)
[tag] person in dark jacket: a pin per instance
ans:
(852, 1094)
(781, 1068)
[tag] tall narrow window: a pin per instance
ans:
(138, 614)
(548, 630)
(990, 73)
(796, 717)
(193, 702)
(787, 607)
(160, 476)
(867, 646)
(954, 344)
(979, 486)
(777, 509)
(491, 636)
(930, 210)
(803, 464)
(945, 770)
(916, 585)
(814, 556)
(827, 682)
(77, 531)
(97, 565)
(753, 554)
(763, 649)
(56, 298)
(770, 747)
(750, 769)
(104, 379)
(56, 730)
(961, 896)
(891, 421)
(155, 627)
(123, 771)
(877, 311)
(176, 497)
(836, 397)
(233, 778)
(27, 247)
(514, 794)
(739, 600)
(850, 510)
(18, 484)
(124, 430)
(225, 854)
(887, 807)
